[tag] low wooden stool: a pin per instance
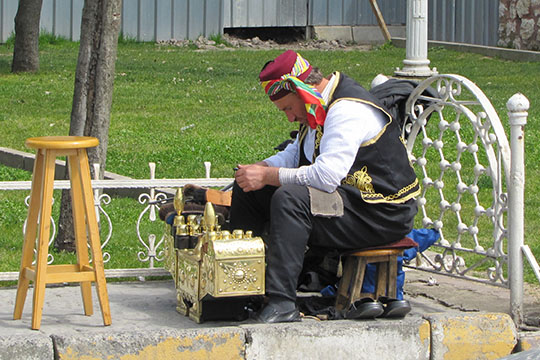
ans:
(385, 257)
(84, 221)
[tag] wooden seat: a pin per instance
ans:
(385, 257)
(38, 224)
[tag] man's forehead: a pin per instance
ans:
(287, 100)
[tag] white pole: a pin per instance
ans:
(517, 107)
(416, 63)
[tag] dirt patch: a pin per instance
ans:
(229, 42)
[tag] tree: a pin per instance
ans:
(92, 97)
(26, 48)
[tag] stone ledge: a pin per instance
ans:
(220, 343)
(475, 336)
(343, 339)
(27, 347)
(359, 34)
(528, 340)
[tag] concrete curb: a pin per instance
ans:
(221, 343)
(25, 161)
(478, 336)
(436, 336)
(29, 347)
(368, 34)
(528, 340)
(503, 53)
(346, 339)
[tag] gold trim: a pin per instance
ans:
(362, 181)
(317, 145)
(337, 74)
(331, 96)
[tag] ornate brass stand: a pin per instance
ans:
(208, 264)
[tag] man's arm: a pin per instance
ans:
(256, 176)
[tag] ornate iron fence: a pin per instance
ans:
(472, 183)
(153, 191)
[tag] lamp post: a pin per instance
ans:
(416, 63)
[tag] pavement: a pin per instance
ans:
(450, 319)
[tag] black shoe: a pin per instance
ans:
(269, 315)
(394, 308)
(365, 308)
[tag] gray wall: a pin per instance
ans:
(468, 21)
(464, 21)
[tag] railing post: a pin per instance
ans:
(517, 107)
(416, 63)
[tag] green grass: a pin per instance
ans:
(214, 94)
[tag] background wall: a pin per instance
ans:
(468, 21)
(519, 24)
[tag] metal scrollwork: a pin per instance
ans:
(457, 142)
(152, 252)
(105, 200)
(50, 257)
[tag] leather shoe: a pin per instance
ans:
(365, 308)
(269, 315)
(394, 308)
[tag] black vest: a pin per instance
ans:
(381, 171)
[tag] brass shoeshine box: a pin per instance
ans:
(220, 264)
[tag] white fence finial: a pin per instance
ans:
(207, 166)
(518, 106)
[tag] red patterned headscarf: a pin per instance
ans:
(287, 73)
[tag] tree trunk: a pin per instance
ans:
(92, 98)
(26, 48)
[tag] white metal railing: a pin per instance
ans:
(151, 246)
(472, 183)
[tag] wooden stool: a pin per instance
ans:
(84, 222)
(385, 257)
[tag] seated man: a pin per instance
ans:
(345, 183)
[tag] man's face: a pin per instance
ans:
(294, 108)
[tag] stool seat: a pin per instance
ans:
(385, 257)
(61, 142)
(38, 227)
(375, 252)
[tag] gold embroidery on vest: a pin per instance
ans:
(318, 137)
(361, 180)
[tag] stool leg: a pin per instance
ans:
(343, 292)
(79, 225)
(382, 279)
(392, 277)
(358, 280)
(30, 234)
(93, 235)
(43, 239)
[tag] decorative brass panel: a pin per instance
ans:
(239, 277)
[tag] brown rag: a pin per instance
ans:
(325, 204)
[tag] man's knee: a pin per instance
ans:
(287, 196)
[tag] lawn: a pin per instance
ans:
(179, 107)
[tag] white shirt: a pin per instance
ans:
(348, 124)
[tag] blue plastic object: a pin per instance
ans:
(424, 237)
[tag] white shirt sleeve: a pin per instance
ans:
(288, 158)
(348, 124)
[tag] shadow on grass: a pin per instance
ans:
(5, 65)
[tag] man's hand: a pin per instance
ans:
(256, 176)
